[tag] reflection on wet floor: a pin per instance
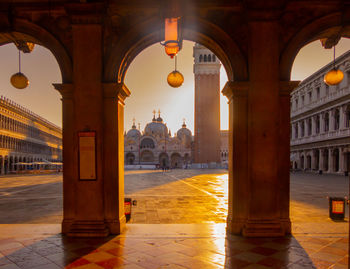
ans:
(146, 246)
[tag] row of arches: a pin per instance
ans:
(329, 160)
(175, 160)
(207, 58)
(11, 164)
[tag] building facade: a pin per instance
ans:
(207, 106)
(27, 141)
(155, 147)
(320, 122)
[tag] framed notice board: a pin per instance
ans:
(87, 155)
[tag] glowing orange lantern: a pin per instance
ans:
(333, 77)
(172, 41)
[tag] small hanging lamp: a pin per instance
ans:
(172, 42)
(334, 76)
(19, 80)
(175, 78)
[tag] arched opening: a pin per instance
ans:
(164, 160)
(176, 161)
(302, 162)
(147, 157)
(308, 162)
(165, 143)
(25, 136)
(147, 143)
(336, 160)
(130, 158)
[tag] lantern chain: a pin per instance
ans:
(19, 61)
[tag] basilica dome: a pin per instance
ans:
(133, 132)
(184, 133)
(156, 128)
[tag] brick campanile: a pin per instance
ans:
(206, 105)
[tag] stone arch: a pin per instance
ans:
(163, 159)
(176, 160)
(130, 158)
(27, 31)
(119, 56)
(323, 27)
(147, 156)
(147, 142)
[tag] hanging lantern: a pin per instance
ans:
(175, 78)
(334, 76)
(19, 80)
(172, 41)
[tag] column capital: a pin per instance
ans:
(116, 90)
(65, 89)
(236, 89)
(286, 87)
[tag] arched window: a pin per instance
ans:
(200, 58)
(317, 124)
(214, 58)
(309, 126)
(326, 122)
(209, 58)
(336, 119)
(205, 58)
(347, 120)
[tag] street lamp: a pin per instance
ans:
(334, 76)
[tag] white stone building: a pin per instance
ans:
(320, 122)
(28, 142)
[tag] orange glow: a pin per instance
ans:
(171, 37)
(333, 77)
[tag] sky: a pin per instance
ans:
(146, 79)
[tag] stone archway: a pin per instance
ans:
(130, 158)
(176, 160)
(163, 160)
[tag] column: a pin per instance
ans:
(320, 164)
(341, 160)
(238, 205)
(265, 128)
(293, 131)
(331, 120)
(313, 123)
(70, 169)
(322, 123)
(86, 217)
(342, 116)
(114, 96)
(285, 88)
(313, 160)
(330, 160)
(305, 160)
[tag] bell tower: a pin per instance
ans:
(206, 105)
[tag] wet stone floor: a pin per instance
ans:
(177, 222)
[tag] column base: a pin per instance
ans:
(263, 228)
(235, 226)
(116, 227)
(88, 229)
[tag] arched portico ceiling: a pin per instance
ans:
(324, 27)
(119, 57)
(27, 31)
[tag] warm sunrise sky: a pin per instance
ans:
(146, 78)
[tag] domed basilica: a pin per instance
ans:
(156, 146)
